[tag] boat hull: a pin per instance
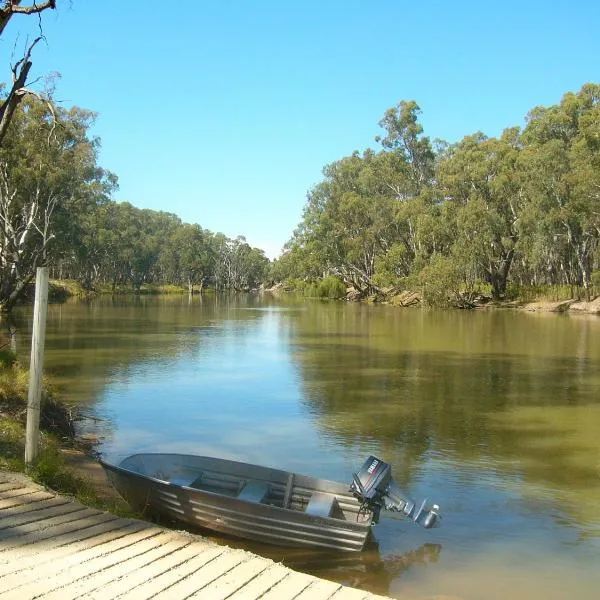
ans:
(228, 514)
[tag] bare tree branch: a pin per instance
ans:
(21, 69)
(13, 7)
(17, 91)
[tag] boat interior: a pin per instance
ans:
(291, 494)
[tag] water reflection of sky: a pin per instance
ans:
(268, 385)
(232, 391)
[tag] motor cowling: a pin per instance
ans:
(374, 487)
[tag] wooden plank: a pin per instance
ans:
(31, 497)
(54, 565)
(16, 492)
(56, 549)
(10, 485)
(21, 520)
(80, 512)
(151, 572)
(73, 528)
(86, 577)
(320, 589)
(66, 540)
(347, 593)
(201, 578)
(224, 586)
(101, 534)
(20, 478)
(168, 579)
(289, 587)
(34, 506)
(261, 584)
(101, 578)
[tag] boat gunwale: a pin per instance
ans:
(266, 508)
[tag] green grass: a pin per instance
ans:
(546, 293)
(50, 468)
(12, 447)
(147, 289)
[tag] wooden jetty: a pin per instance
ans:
(56, 549)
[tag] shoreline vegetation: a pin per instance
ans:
(557, 299)
(483, 221)
(66, 463)
(551, 299)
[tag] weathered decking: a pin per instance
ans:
(54, 548)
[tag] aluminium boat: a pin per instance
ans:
(262, 503)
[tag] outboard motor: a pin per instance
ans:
(374, 487)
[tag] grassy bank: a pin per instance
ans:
(551, 298)
(62, 289)
(59, 449)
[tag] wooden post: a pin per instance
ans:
(36, 365)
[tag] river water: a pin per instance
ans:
(494, 415)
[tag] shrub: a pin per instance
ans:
(295, 285)
(12, 446)
(54, 415)
(49, 469)
(595, 282)
(7, 357)
(311, 290)
(331, 287)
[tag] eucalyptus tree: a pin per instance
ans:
(10, 8)
(298, 261)
(481, 177)
(136, 237)
(255, 267)
(363, 222)
(348, 220)
(48, 171)
(187, 256)
(404, 138)
(92, 251)
(406, 168)
(562, 162)
(238, 266)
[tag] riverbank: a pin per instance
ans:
(571, 305)
(65, 463)
(61, 290)
(413, 299)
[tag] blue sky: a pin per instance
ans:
(225, 112)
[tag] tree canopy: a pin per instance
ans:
(481, 215)
(485, 215)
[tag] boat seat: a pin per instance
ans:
(181, 480)
(254, 491)
(321, 505)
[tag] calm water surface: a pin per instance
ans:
(495, 415)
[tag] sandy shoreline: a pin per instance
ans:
(87, 467)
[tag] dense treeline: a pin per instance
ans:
(484, 215)
(56, 210)
(56, 207)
